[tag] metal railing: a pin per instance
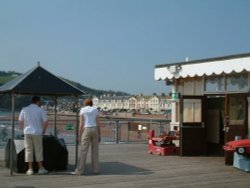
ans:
(113, 129)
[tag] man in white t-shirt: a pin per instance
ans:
(34, 122)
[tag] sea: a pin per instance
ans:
(3, 117)
(4, 113)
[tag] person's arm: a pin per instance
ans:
(81, 126)
(21, 121)
(21, 124)
(45, 126)
(45, 120)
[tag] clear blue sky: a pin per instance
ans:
(115, 44)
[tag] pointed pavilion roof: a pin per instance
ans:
(39, 81)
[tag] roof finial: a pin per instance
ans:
(38, 63)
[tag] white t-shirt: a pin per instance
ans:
(33, 117)
(89, 113)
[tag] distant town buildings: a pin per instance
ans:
(140, 103)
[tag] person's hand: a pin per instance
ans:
(79, 139)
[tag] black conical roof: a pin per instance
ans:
(39, 81)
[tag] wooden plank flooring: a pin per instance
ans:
(129, 165)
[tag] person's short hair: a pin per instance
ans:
(88, 102)
(35, 99)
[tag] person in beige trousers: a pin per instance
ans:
(89, 134)
(34, 122)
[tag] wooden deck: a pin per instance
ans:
(129, 165)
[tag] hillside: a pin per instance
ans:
(7, 76)
(95, 92)
(5, 100)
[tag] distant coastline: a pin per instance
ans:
(4, 113)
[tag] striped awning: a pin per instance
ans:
(207, 67)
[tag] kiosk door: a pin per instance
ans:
(192, 131)
(235, 116)
(235, 123)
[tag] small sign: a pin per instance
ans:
(175, 95)
(69, 127)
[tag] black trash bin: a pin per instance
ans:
(54, 151)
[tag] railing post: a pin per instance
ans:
(12, 135)
(77, 130)
(128, 132)
(161, 128)
(117, 131)
(55, 117)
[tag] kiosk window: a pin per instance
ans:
(192, 110)
(215, 84)
(237, 82)
(230, 83)
(236, 111)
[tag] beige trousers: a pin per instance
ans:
(33, 143)
(89, 136)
